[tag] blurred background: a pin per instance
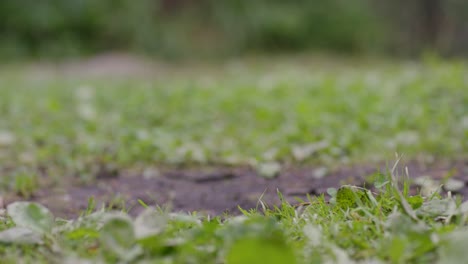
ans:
(177, 29)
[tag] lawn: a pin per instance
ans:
(65, 124)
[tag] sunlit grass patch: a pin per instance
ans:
(253, 113)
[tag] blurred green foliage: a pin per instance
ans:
(181, 28)
(272, 25)
(72, 27)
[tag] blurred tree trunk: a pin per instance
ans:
(431, 22)
(173, 6)
(170, 6)
(413, 25)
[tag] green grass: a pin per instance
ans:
(245, 112)
(257, 112)
(356, 226)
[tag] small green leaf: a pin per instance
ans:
(380, 184)
(415, 201)
(349, 196)
(332, 192)
(269, 169)
(31, 215)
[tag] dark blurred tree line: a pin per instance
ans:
(438, 25)
(179, 28)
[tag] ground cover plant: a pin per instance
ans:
(75, 125)
(354, 226)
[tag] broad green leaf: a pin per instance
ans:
(453, 247)
(31, 215)
(435, 207)
(260, 250)
(118, 236)
(149, 223)
(454, 185)
(396, 249)
(463, 208)
(20, 235)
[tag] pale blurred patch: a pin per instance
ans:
(7, 138)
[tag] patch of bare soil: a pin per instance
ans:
(218, 190)
(114, 65)
(111, 64)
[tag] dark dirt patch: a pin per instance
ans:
(220, 189)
